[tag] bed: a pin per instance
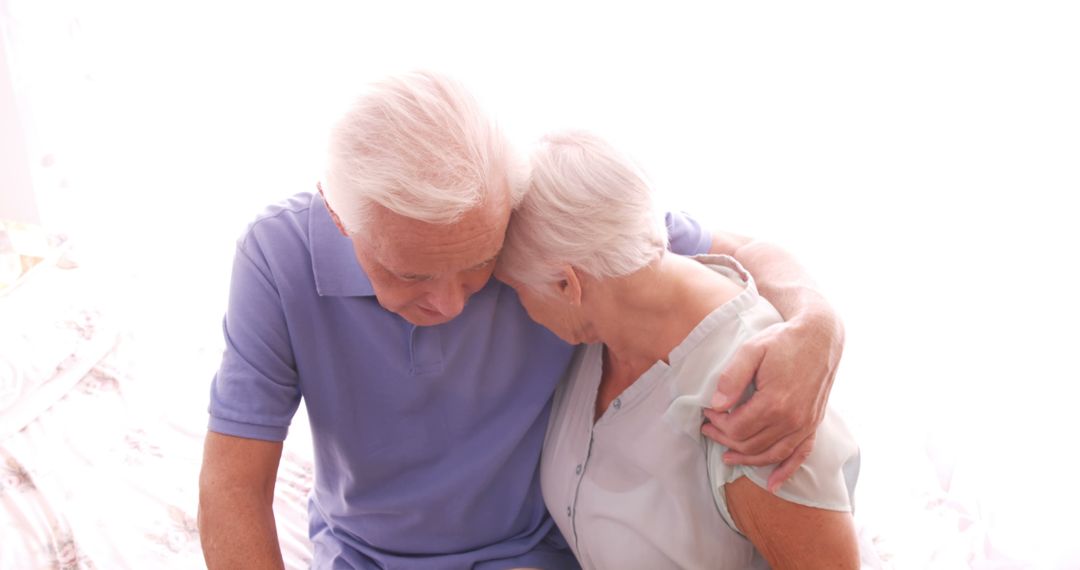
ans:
(95, 470)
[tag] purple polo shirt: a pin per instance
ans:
(427, 439)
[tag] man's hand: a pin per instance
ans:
(794, 364)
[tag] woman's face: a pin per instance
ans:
(553, 311)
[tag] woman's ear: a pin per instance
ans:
(333, 215)
(570, 286)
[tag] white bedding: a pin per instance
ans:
(99, 482)
(101, 433)
(53, 328)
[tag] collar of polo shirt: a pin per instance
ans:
(333, 259)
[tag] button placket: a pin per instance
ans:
(425, 350)
(577, 486)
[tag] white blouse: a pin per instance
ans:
(642, 488)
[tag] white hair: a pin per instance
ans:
(586, 206)
(419, 145)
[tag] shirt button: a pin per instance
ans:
(617, 403)
(578, 470)
(568, 511)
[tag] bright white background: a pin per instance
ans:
(919, 158)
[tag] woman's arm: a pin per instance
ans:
(790, 535)
(793, 363)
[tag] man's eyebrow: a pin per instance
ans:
(427, 276)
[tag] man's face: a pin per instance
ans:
(426, 272)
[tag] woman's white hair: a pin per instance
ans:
(586, 206)
(419, 145)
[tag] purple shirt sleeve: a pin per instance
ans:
(685, 234)
(256, 391)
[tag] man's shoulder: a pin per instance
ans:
(290, 211)
(283, 221)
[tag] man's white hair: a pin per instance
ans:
(586, 206)
(419, 145)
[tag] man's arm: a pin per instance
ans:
(793, 362)
(236, 496)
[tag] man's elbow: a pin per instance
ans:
(727, 243)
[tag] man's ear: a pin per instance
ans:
(570, 286)
(333, 214)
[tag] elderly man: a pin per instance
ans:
(427, 386)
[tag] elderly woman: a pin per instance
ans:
(625, 471)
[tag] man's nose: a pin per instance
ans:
(449, 297)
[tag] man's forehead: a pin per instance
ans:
(430, 251)
(430, 262)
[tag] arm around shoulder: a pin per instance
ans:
(783, 281)
(794, 364)
(236, 495)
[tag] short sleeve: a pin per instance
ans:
(685, 235)
(825, 481)
(255, 391)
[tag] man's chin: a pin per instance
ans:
(422, 318)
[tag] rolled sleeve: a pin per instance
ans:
(255, 391)
(686, 236)
(826, 480)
